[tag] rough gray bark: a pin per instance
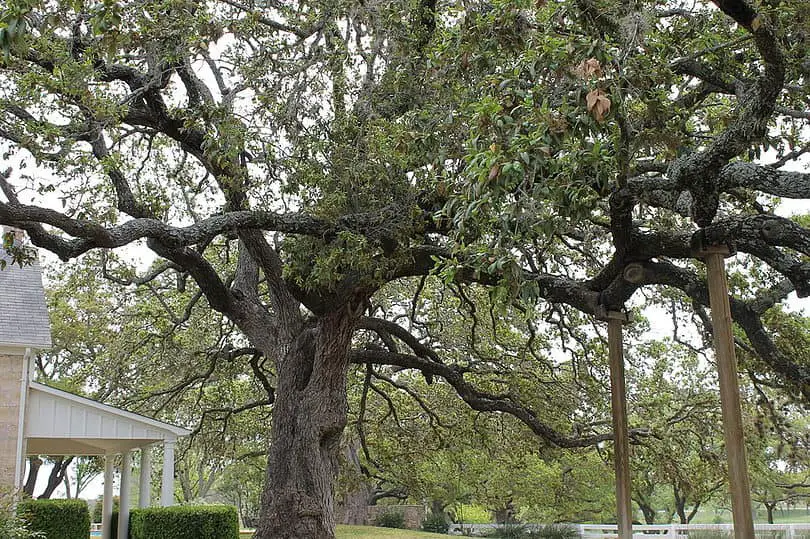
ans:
(352, 505)
(312, 357)
(309, 418)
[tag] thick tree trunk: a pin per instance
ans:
(352, 505)
(353, 508)
(309, 415)
(34, 464)
(58, 473)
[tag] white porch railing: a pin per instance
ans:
(660, 531)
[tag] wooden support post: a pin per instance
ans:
(621, 438)
(714, 257)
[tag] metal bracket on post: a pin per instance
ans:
(714, 255)
(701, 247)
(618, 403)
(603, 314)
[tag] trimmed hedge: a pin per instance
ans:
(99, 508)
(57, 519)
(184, 522)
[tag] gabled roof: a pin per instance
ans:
(23, 312)
(61, 423)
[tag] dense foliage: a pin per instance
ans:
(343, 183)
(98, 508)
(185, 522)
(57, 519)
(390, 518)
(12, 526)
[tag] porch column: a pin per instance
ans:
(123, 496)
(107, 503)
(167, 481)
(145, 490)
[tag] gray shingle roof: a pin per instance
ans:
(23, 310)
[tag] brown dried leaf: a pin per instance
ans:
(587, 69)
(494, 172)
(593, 67)
(598, 104)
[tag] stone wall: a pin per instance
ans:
(11, 370)
(414, 514)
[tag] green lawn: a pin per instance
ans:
(369, 532)
(790, 516)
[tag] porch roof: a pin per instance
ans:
(61, 423)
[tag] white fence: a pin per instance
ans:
(660, 531)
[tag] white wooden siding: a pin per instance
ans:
(56, 419)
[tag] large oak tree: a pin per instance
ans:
(532, 148)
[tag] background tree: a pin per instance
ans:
(134, 350)
(779, 459)
(683, 455)
(533, 148)
(85, 470)
(241, 484)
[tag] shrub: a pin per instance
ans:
(57, 519)
(436, 523)
(708, 534)
(11, 525)
(390, 519)
(510, 531)
(98, 508)
(556, 531)
(114, 525)
(184, 522)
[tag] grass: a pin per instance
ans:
(788, 516)
(370, 532)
